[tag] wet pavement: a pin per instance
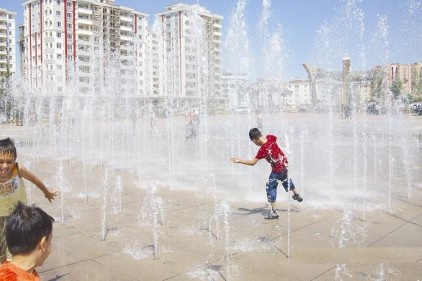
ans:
(113, 223)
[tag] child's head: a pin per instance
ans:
(7, 158)
(28, 230)
(254, 134)
(7, 147)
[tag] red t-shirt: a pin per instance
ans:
(273, 154)
(11, 272)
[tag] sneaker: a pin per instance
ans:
(272, 215)
(297, 198)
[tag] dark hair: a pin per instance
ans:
(8, 146)
(25, 228)
(254, 134)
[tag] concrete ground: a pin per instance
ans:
(183, 236)
(134, 231)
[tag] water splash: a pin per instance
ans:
(341, 271)
(365, 173)
(222, 210)
(61, 183)
(344, 34)
(236, 44)
(380, 43)
(348, 230)
(410, 29)
(153, 215)
(104, 206)
(303, 143)
(117, 195)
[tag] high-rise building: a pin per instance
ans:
(191, 54)
(7, 42)
(83, 43)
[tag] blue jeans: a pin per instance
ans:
(272, 184)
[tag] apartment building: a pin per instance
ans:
(234, 90)
(7, 42)
(91, 45)
(269, 93)
(301, 94)
(191, 54)
(408, 74)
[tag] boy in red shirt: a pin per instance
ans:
(28, 234)
(270, 150)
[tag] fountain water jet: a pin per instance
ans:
(320, 148)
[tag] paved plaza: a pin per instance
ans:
(132, 228)
(196, 243)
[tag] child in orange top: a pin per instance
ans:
(12, 188)
(29, 232)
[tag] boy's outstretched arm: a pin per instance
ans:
(30, 176)
(251, 162)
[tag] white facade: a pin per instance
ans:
(7, 42)
(301, 94)
(83, 42)
(234, 89)
(191, 53)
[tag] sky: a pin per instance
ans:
(275, 37)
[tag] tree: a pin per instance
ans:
(376, 77)
(417, 89)
(396, 88)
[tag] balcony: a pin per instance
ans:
(49, 50)
(80, 31)
(126, 28)
(126, 38)
(49, 39)
(125, 18)
(84, 11)
(84, 21)
(84, 63)
(84, 51)
(217, 33)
